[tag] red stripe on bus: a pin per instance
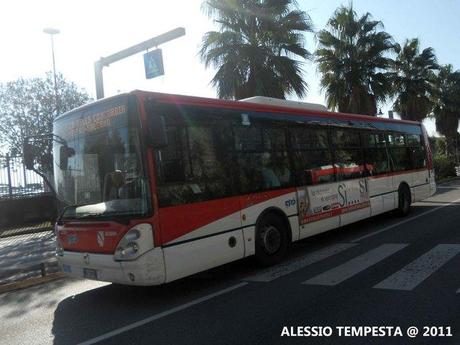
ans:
(177, 221)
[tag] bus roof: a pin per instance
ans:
(229, 104)
(241, 105)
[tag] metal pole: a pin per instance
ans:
(24, 174)
(8, 173)
(52, 32)
(55, 79)
(99, 79)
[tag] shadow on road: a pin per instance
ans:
(101, 310)
(20, 302)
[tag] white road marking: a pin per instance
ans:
(161, 315)
(309, 259)
(420, 269)
(350, 268)
(403, 222)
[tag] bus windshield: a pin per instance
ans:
(102, 174)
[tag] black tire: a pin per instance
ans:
(404, 201)
(272, 240)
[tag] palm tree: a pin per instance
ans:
(447, 105)
(414, 81)
(352, 58)
(255, 48)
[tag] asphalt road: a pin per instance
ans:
(385, 271)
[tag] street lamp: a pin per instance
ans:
(52, 32)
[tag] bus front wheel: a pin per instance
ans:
(272, 240)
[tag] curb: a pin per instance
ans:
(448, 179)
(13, 233)
(31, 282)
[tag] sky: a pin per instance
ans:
(92, 29)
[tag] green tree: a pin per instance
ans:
(28, 107)
(414, 81)
(447, 106)
(254, 52)
(352, 58)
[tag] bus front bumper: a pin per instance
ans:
(148, 269)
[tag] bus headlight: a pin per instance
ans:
(136, 242)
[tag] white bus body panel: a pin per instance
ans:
(199, 255)
(148, 269)
(284, 103)
(381, 194)
(421, 182)
(354, 216)
(315, 228)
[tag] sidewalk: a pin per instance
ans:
(22, 255)
(27, 229)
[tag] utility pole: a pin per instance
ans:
(106, 61)
(52, 32)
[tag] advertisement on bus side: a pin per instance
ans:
(328, 200)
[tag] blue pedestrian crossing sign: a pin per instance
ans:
(153, 63)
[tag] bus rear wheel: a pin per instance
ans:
(404, 201)
(272, 240)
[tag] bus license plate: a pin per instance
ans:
(89, 273)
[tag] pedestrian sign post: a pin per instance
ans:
(153, 63)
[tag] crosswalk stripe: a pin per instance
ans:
(359, 239)
(420, 269)
(354, 266)
(309, 259)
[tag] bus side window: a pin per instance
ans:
(417, 151)
(197, 164)
(376, 160)
(311, 156)
(400, 152)
(262, 157)
(348, 154)
(172, 156)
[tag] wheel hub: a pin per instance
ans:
(271, 239)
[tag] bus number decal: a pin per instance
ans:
(290, 202)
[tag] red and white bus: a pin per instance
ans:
(159, 186)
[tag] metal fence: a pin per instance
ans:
(26, 223)
(16, 181)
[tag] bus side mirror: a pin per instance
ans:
(28, 152)
(157, 132)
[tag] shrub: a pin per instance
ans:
(444, 166)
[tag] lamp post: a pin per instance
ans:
(52, 32)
